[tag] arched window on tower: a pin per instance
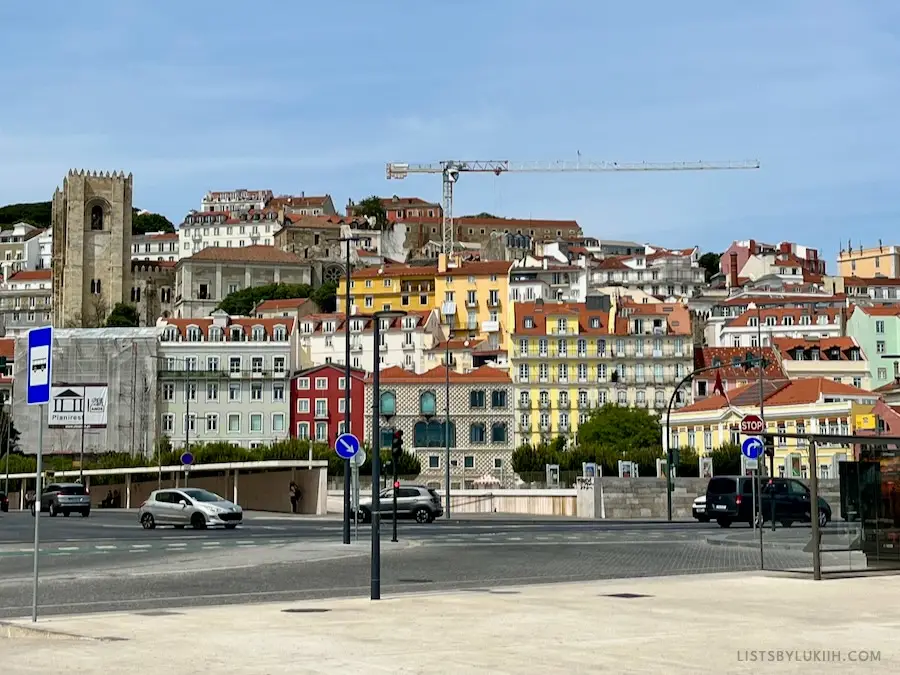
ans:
(97, 218)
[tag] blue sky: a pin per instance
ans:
(316, 97)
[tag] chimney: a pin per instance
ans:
(302, 194)
(752, 247)
(733, 270)
(442, 263)
(784, 247)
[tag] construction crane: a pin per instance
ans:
(450, 170)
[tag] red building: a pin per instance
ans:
(317, 403)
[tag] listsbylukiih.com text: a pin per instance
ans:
(809, 656)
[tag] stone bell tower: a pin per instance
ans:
(91, 220)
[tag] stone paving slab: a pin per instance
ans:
(698, 624)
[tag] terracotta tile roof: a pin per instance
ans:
(246, 325)
(481, 268)
(786, 347)
(32, 275)
(458, 345)
(865, 282)
(676, 315)
(894, 385)
(357, 373)
(437, 375)
(8, 348)
(805, 391)
(881, 310)
(613, 263)
(781, 312)
(392, 271)
(323, 222)
(298, 201)
(247, 254)
(281, 305)
(707, 356)
(539, 312)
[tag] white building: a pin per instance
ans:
(404, 341)
(668, 274)
(532, 278)
(26, 300)
(19, 248)
(807, 323)
(155, 246)
(235, 200)
(221, 229)
(224, 379)
(45, 249)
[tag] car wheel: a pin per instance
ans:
(787, 523)
(702, 519)
(53, 511)
(179, 527)
(147, 521)
(422, 515)
(230, 526)
(723, 522)
(198, 522)
(823, 518)
(85, 513)
(67, 513)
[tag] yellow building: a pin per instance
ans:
(877, 261)
(805, 406)
(478, 294)
(567, 358)
(398, 287)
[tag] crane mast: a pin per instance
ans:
(450, 170)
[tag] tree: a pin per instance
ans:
(710, 264)
(35, 213)
(483, 214)
(94, 312)
(142, 223)
(373, 207)
(123, 315)
(242, 302)
(7, 428)
(325, 296)
(620, 429)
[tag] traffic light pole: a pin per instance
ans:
(396, 453)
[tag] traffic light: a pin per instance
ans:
(769, 446)
(397, 445)
(396, 484)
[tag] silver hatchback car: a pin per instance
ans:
(180, 507)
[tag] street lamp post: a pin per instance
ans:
(347, 381)
(449, 311)
(375, 568)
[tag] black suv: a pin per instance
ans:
(729, 499)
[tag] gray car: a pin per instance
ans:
(65, 498)
(413, 501)
(181, 507)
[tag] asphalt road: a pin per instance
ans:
(108, 563)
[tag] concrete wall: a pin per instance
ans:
(521, 502)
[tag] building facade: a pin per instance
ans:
(473, 298)
(481, 421)
(91, 222)
(318, 400)
(155, 246)
(20, 248)
(225, 379)
(205, 278)
(771, 323)
(153, 290)
(405, 341)
(402, 287)
(868, 263)
(662, 273)
(222, 229)
(813, 405)
(728, 363)
(568, 358)
(235, 200)
(877, 332)
(301, 205)
(840, 359)
(26, 300)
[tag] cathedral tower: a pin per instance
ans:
(91, 220)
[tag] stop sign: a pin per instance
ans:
(751, 424)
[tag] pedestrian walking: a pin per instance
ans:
(295, 496)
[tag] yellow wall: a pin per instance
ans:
(390, 291)
(869, 263)
(460, 281)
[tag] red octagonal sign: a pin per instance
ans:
(751, 424)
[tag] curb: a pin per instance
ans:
(15, 630)
(718, 541)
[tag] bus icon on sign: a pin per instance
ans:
(40, 358)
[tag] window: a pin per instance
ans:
(879, 326)
(234, 391)
(234, 364)
(168, 391)
(168, 423)
(882, 373)
(321, 407)
(303, 430)
(277, 392)
(212, 391)
(256, 364)
(303, 406)
(468, 462)
(431, 434)
(256, 391)
(388, 403)
(321, 431)
(707, 440)
(880, 347)
(476, 433)
(498, 398)
(476, 399)
(212, 423)
(256, 424)
(190, 392)
(498, 432)
(427, 403)
(434, 462)
(278, 365)
(278, 422)
(302, 383)
(321, 383)
(190, 423)
(212, 363)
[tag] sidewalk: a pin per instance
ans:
(746, 623)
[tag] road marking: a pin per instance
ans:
(514, 539)
(212, 543)
(141, 546)
(68, 548)
(106, 548)
(245, 542)
(175, 545)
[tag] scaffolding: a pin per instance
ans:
(122, 359)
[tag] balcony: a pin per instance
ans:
(409, 346)
(356, 347)
(584, 404)
(564, 403)
(472, 303)
(544, 404)
(217, 374)
(564, 427)
(490, 326)
(493, 303)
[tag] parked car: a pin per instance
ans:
(189, 506)
(64, 498)
(699, 509)
(729, 499)
(4, 502)
(421, 503)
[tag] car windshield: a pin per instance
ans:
(72, 490)
(721, 486)
(203, 495)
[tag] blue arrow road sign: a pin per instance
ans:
(752, 447)
(187, 458)
(40, 355)
(346, 446)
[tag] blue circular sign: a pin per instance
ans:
(752, 447)
(346, 445)
(187, 459)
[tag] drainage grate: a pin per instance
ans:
(305, 610)
(626, 596)
(159, 612)
(415, 581)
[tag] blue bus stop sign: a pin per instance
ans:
(346, 446)
(752, 447)
(40, 353)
